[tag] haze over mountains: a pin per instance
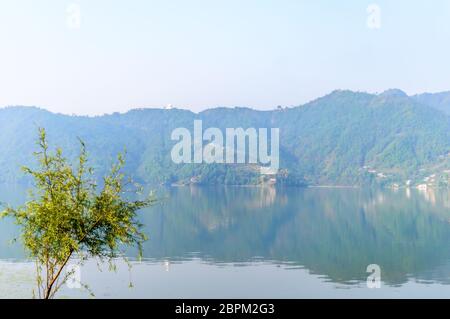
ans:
(440, 101)
(344, 138)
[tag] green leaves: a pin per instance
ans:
(68, 216)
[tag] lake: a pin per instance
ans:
(251, 242)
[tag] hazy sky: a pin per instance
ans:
(198, 54)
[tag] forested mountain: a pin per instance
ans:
(344, 138)
(440, 101)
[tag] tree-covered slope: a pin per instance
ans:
(344, 138)
(439, 101)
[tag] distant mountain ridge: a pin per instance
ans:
(344, 138)
(440, 101)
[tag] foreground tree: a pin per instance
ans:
(70, 218)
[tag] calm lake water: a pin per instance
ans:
(248, 242)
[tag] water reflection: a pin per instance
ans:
(332, 233)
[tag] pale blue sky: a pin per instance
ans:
(198, 54)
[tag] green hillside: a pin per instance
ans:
(344, 138)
